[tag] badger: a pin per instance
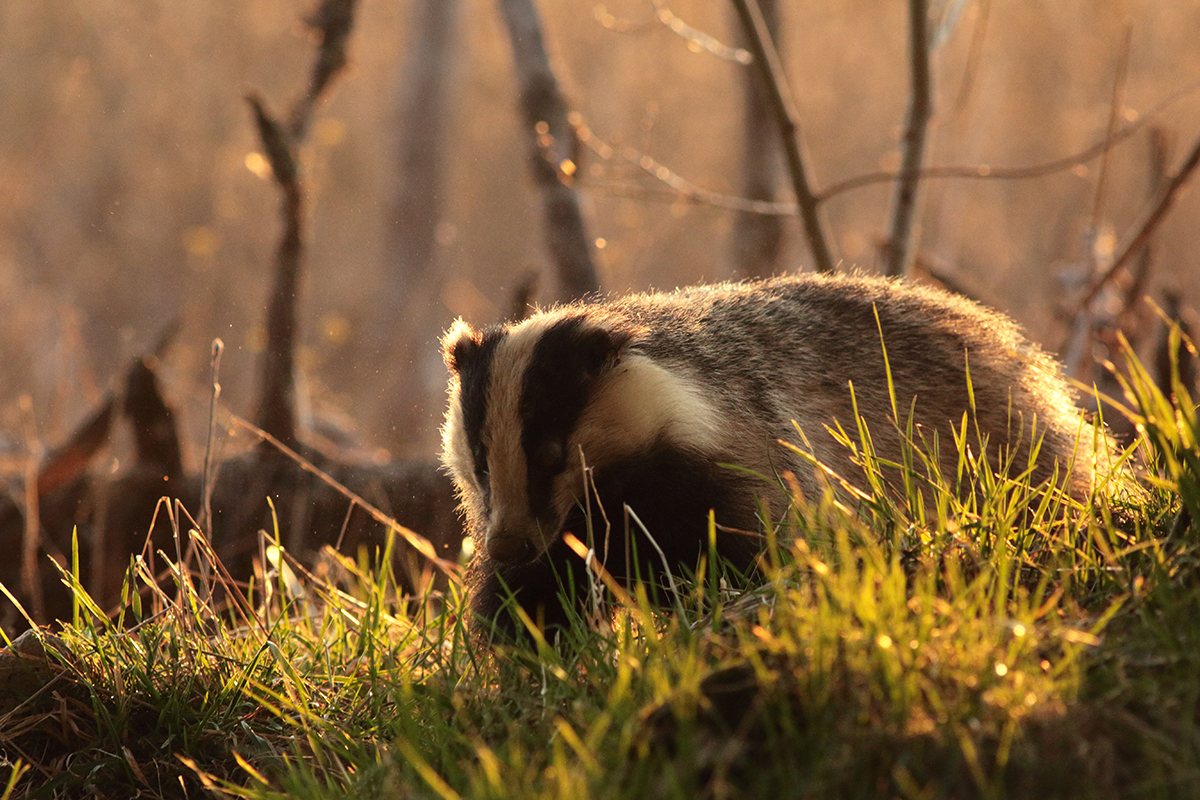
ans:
(644, 414)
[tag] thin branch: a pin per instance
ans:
(680, 186)
(208, 477)
(971, 69)
(1133, 310)
(610, 21)
(920, 109)
(1085, 326)
(1147, 225)
(775, 83)
(31, 576)
(683, 188)
(698, 38)
(988, 172)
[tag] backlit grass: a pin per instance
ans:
(914, 642)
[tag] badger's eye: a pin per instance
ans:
(479, 456)
(548, 454)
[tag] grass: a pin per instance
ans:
(912, 644)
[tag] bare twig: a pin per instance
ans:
(984, 171)
(775, 82)
(758, 238)
(610, 21)
(920, 109)
(971, 70)
(698, 38)
(1148, 223)
(1132, 316)
(663, 15)
(989, 172)
(1086, 326)
(31, 576)
(680, 187)
(208, 478)
(553, 152)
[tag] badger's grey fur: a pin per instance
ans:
(656, 392)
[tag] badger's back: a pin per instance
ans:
(788, 350)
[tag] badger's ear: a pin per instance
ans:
(601, 347)
(460, 345)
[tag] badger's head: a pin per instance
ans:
(530, 403)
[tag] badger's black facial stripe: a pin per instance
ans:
(474, 367)
(564, 363)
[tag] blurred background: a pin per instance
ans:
(132, 194)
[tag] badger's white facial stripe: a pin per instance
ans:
(640, 407)
(510, 513)
(640, 404)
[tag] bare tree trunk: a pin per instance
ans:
(770, 71)
(757, 238)
(553, 150)
(408, 301)
(420, 154)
